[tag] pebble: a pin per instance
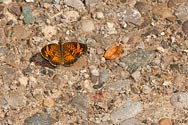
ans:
(6, 1)
(165, 121)
(20, 32)
(146, 89)
(15, 99)
(80, 102)
(15, 9)
(103, 76)
(182, 11)
(88, 86)
(100, 15)
(48, 102)
(100, 51)
(71, 15)
(185, 27)
(77, 4)
(23, 80)
(180, 100)
(29, 1)
(136, 76)
(27, 70)
(137, 59)
(110, 28)
(94, 70)
(91, 3)
(127, 110)
(118, 85)
(130, 15)
(142, 7)
(98, 86)
(2, 114)
(162, 11)
(57, 79)
(40, 119)
(28, 17)
(46, 5)
(87, 25)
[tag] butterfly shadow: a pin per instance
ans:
(40, 61)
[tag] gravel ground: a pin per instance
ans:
(145, 85)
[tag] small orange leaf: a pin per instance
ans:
(113, 52)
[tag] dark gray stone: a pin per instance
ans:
(40, 119)
(138, 58)
(28, 17)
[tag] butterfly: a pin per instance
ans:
(63, 53)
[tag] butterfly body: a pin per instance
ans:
(63, 53)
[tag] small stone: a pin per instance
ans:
(15, 99)
(57, 79)
(71, 15)
(28, 17)
(99, 15)
(98, 86)
(110, 28)
(137, 59)
(14, 9)
(127, 110)
(27, 71)
(48, 102)
(20, 32)
(23, 80)
(29, 1)
(94, 70)
(162, 11)
(10, 22)
(40, 119)
(2, 114)
(77, 4)
(136, 75)
(38, 96)
(46, 5)
(91, 3)
(165, 121)
(87, 25)
(80, 102)
(180, 100)
(88, 86)
(103, 76)
(146, 89)
(118, 85)
(6, 1)
(185, 27)
(142, 7)
(130, 15)
(100, 51)
(182, 11)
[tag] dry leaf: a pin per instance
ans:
(113, 52)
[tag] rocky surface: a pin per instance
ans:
(145, 85)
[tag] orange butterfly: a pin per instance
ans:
(63, 53)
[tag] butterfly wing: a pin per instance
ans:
(52, 53)
(72, 51)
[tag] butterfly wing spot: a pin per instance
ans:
(52, 53)
(68, 58)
